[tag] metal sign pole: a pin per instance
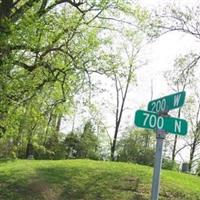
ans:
(160, 136)
(164, 123)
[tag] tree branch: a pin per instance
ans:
(58, 2)
(23, 9)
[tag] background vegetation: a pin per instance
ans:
(58, 61)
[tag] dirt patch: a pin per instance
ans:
(38, 187)
(43, 190)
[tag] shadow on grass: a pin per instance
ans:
(67, 183)
(81, 184)
(4, 160)
(13, 186)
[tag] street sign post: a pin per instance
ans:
(151, 120)
(167, 103)
(157, 118)
(160, 136)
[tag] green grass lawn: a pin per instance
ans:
(90, 180)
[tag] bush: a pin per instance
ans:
(198, 170)
(83, 145)
(59, 152)
(146, 157)
(21, 152)
(40, 152)
(55, 153)
(170, 164)
(138, 154)
(136, 147)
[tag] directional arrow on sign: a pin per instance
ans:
(167, 103)
(152, 120)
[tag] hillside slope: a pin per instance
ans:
(90, 180)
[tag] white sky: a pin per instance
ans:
(161, 55)
(152, 4)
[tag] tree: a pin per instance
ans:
(180, 19)
(72, 142)
(123, 76)
(89, 144)
(48, 53)
(133, 147)
(193, 141)
(40, 62)
(179, 79)
(123, 60)
(120, 61)
(83, 144)
(184, 19)
(121, 94)
(47, 50)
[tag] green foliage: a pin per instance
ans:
(170, 164)
(55, 148)
(83, 145)
(40, 152)
(198, 169)
(42, 67)
(182, 76)
(89, 142)
(48, 51)
(136, 147)
(72, 141)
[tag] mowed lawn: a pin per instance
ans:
(90, 180)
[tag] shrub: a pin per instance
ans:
(170, 164)
(40, 152)
(198, 170)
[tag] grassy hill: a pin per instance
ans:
(90, 180)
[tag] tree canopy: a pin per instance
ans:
(48, 51)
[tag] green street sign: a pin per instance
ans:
(167, 103)
(152, 120)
